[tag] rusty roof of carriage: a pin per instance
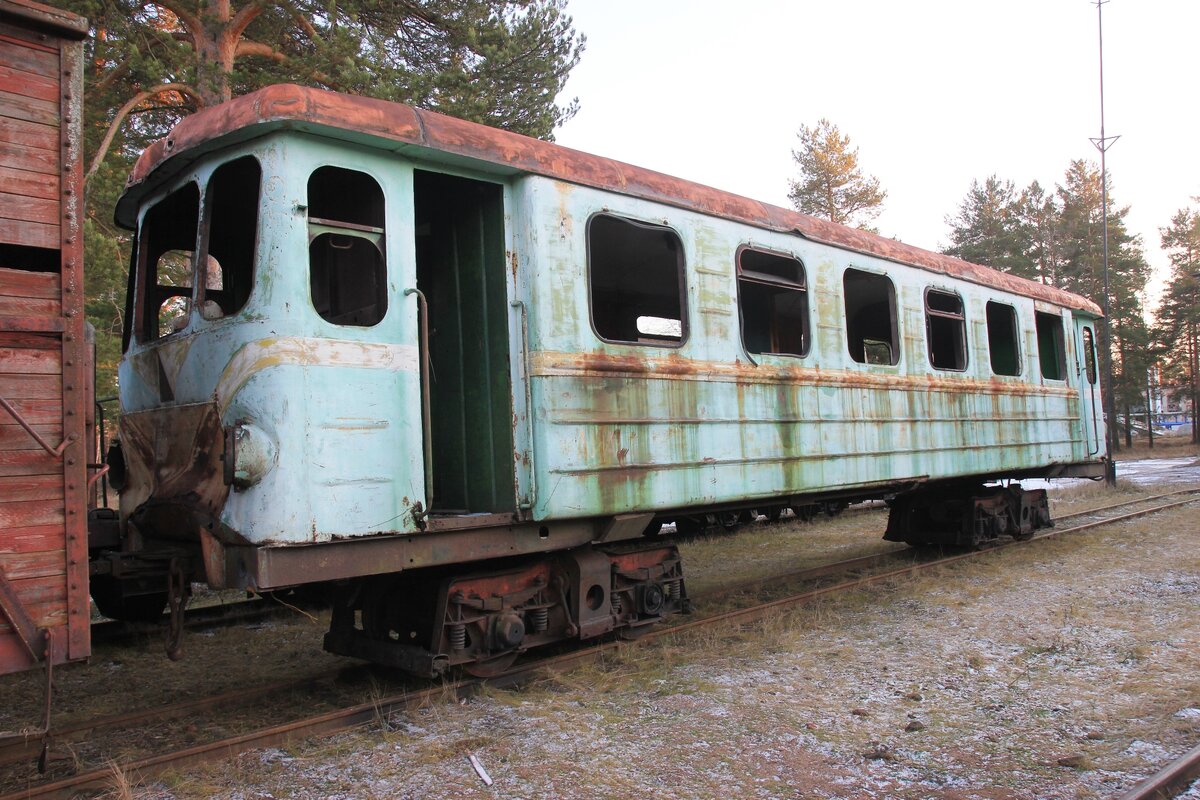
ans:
(287, 106)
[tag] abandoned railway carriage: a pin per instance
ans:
(461, 372)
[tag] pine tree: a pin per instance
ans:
(991, 228)
(1080, 242)
(1179, 312)
(500, 62)
(831, 183)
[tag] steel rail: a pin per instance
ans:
(19, 748)
(353, 717)
(1171, 781)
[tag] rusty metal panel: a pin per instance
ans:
(174, 456)
(45, 366)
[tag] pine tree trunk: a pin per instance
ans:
(215, 50)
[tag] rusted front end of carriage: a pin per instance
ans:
(45, 359)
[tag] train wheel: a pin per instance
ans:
(491, 667)
(773, 513)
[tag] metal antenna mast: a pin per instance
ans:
(1102, 144)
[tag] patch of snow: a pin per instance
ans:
(1147, 751)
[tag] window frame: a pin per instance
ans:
(1016, 329)
(141, 275)
(766, 279)
(1059, 335)
(1091, 368)
(896, 343)
(205, 236)
(681, 279)
(375, 236)
(961, 317)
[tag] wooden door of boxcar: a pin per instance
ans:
(44, 358)
(1091, 411)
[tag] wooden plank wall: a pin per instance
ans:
(32, 498)
(45, 366)
(30, 123)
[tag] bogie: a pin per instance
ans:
(428, 623)
(967, 516)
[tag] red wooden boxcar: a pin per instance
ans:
(45, 362)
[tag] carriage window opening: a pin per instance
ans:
(347, 270)
(871, 318)
(165, 261)
(636, 281)
(946, 328)
(773, 301)
(1002, 339)
(1089, 356)
(231, 214)
(1052, 351)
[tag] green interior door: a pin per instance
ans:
(460, 270)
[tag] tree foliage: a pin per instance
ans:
(1178, 328)
(148, 64)
(832, 185)
(991, 227)
(1058, 239)
(500, 62)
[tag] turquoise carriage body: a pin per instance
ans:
(413, 329)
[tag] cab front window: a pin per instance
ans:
(166, 263)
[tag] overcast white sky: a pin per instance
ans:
(934, 93)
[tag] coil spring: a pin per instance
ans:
(539, 619)
(458, 637)
(616, 604)
(674, 588)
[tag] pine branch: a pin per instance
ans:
(123, 112)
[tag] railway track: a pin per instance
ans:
(263, 608)
(1172, 780)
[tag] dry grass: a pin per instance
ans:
(1017, 660)
(1059, 670)
(1172, 446)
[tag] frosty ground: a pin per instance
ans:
(1067, 669)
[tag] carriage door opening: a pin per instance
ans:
(461, 272)
(1091, 412)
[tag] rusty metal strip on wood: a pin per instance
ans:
(57, 452)
(76, 351)
(22, 623)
